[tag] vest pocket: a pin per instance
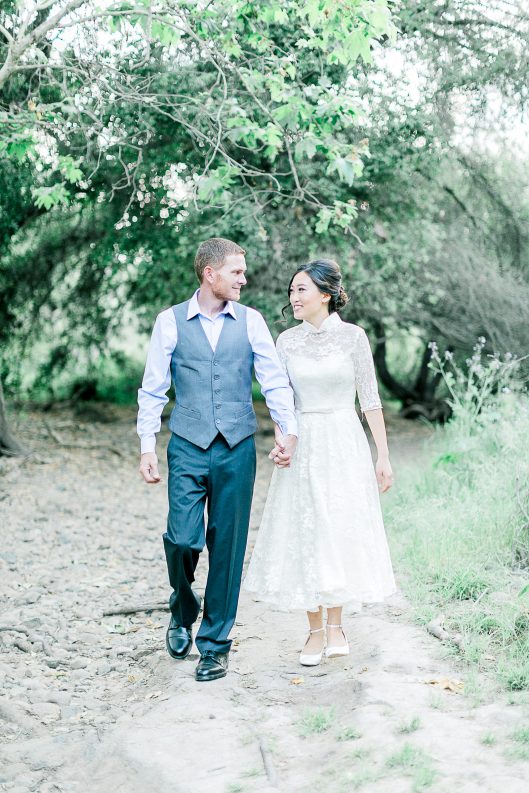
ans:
(245, 412)
(194, 414)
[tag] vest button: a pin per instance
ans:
(218, 407)
(216, 376)
(217, 421)
(217, 390)
(215, 363)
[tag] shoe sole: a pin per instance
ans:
(337, 655)
(177, 657)
(207, 679)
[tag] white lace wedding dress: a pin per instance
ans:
(322, 540)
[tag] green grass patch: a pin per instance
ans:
(521, 735)
(415, 762)
(359, 753)
(359, 779)
(314, 722)
(460, 538)
(348, 734)
(407, 757)
(520, 752)
(489, 739)
(410, 726)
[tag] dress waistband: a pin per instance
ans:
(350, 409)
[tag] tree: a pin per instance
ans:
(241, 94)
(178, 125)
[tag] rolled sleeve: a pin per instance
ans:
(271, 375)
(152, 396)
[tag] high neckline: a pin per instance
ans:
(330, 322)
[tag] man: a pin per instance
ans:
(209, 345)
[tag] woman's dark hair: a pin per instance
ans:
(326, 275)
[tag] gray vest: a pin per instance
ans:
(213, 390)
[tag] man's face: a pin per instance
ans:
(226, 282)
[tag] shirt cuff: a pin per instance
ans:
(290, 429)
(148, 443)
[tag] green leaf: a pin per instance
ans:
(48, 197)
(164, 33)
(346, 168)
(20, 147)
(324, 218)
(70, 169)
(306, 147)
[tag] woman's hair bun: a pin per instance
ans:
(341, 299)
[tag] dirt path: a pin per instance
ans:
(93, 703)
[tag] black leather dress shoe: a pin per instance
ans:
(211, 666)
(178, 640)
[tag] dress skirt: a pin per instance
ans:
(322, 541)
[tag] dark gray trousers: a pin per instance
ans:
(224, 478)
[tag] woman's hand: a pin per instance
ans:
(384, 474)
(284, 448)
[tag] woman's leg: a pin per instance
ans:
(315, 641)
(335, 636)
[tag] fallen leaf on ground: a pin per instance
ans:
(296, 681)
(447, 684)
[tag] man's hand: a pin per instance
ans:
(283, 450)
(149, 468)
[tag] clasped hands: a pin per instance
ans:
(283, 451)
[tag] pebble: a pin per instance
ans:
(79, 674)
(79, 663)
(30, 597)
(39, 695)
(59, 698)
(45, 711)
(123, 650)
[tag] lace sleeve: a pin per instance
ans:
(365, 378)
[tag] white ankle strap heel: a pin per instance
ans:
(333, 651)
(311, 659)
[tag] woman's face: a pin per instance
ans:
(306, 299)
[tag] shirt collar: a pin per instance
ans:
(330, 322)
(194, 309)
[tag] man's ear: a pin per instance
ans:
(208, 274)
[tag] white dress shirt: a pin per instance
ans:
(152, 396)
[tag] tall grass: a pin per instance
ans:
(459, 523)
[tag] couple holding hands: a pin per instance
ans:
(321, 542)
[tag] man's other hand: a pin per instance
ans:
(149, 468)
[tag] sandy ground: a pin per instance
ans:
(93, 703)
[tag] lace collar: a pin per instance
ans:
(331, 322)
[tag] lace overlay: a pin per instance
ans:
(322, 539)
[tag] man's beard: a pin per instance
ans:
(222, 293)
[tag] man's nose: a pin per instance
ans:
(242, 280)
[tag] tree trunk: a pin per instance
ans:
(417, 400)
(9, 446)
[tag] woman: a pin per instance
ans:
(321, 542)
